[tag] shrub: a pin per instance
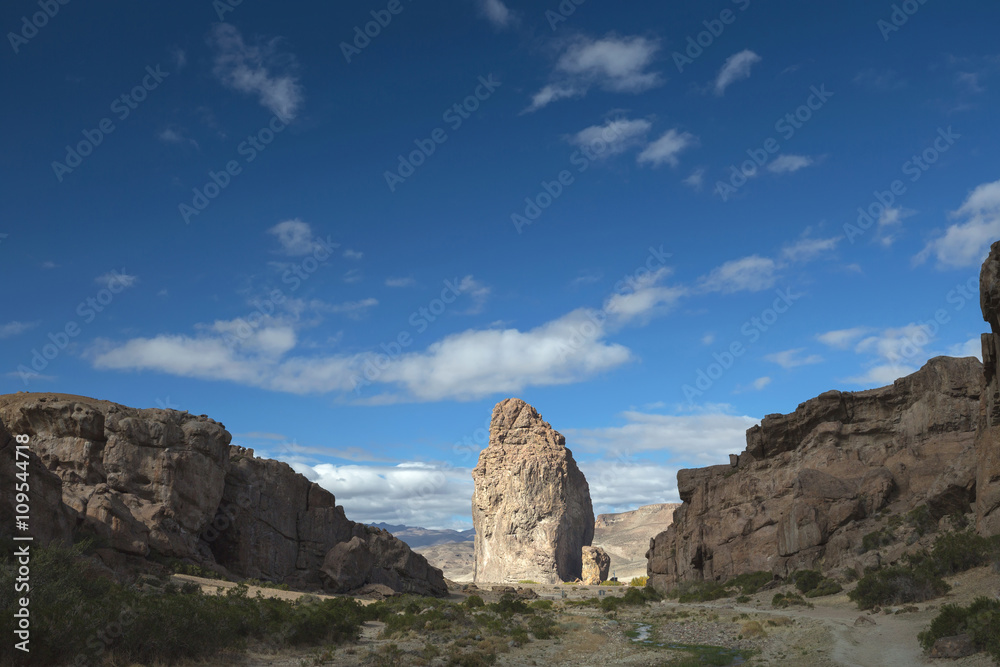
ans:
(876, 539)
(897, 585)
(473, 601)
(783, 600)
(806, 580)
(824, 587)
(752, 629)
(702, 591)
(981, 620)
(639, 581)
(743, 599)
(527, 581)
(961, 551)
(508, 605)
(751, 582)
(609, 582)
(921, 520)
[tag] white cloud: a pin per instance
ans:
(617, 486)
(16, 328)
(400, 282)
(477, 291)
(666, 149)
(49, 264)
(116, 278)
(736, 67)
(708, 338)
(174, 135)
(612, 138)
(353, 309)
(889, 222)
(702, 439)
(696, 179)
(751, 274)
(761, 382)
(250, 69)
(497, 12)
(786, 164)
(296, 238)
(411, 493)
(967, 243)
(352, 276)
(970, 348)
(895, 352)
(615, 64)
(842, 339)
(646, 298)
(806, 249)
(353, 254)
(793, 358)
(478, 363)
(881, 375)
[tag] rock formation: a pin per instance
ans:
(625, 536)
(531, 506)
(988, 435)
(596, 563)
(803, 492)
(169, 484)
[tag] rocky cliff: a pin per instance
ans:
(625, 536)
(531, 506)
(988, 435)
(167, 484)
(809, 483)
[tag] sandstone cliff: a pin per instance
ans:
(988, 435)
(168, 484)
(531, 506)
(803, 492)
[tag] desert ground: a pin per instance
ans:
(832, 632)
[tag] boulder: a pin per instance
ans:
(988, 437)
(958, 646)
(810, 483)
(531, 507)
(596, 564)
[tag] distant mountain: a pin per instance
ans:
(425, 537)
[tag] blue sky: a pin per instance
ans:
(656, 223)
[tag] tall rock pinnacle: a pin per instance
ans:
(531, 507)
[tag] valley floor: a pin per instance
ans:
(828, 634)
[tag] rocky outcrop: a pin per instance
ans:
(804, 491)
(48, 519)
(169, 484)
(596, 563)
(988, 436)
(531, 507)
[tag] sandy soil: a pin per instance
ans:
(822, 636)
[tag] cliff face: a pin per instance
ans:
(169, 483)
(988, 436)
(801, 494)
(531, 507)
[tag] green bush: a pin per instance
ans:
(921, 520)
(897, 585)
(806, 580)
(544, 605)
(751, 582)
(824, 587)
(702, 591)
(473, 601)
(981, 620)
(608, 582)
(876, 539)
(76, 611)
(508, 605)
(639, 581)
(783, 600)
(961, 551)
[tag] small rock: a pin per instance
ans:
(958, 646)
(863, 620)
